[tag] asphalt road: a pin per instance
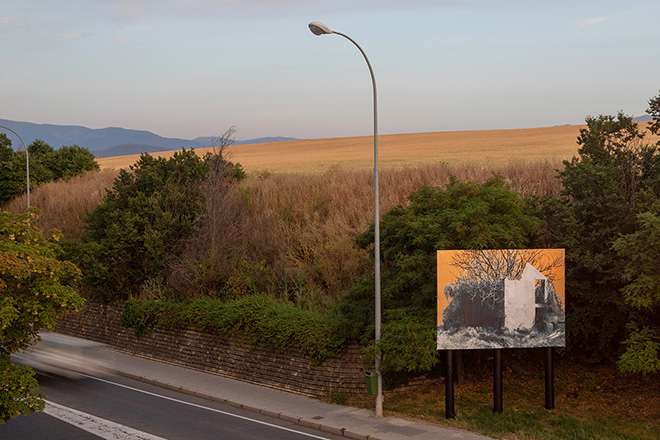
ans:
(118, 408)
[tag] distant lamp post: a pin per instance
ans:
(27, 162)
(321, 29)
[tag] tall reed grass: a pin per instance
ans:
(304, 227)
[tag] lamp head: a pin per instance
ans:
(319, 28)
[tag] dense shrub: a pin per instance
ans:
(135, 233)
(256, 318)
(463, 215)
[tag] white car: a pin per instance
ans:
(65, 356)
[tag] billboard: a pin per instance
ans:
(505, 298)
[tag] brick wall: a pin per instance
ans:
(285, 369)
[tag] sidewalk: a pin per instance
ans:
(336, 419)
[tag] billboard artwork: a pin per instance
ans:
(511, 298)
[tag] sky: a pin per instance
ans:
(195, 68)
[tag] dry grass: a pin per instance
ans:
(302, 216)
(301, 225)
(488, 148)
(317, 156)
(304, 226)
(65, 203)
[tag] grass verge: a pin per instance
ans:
(591, 402)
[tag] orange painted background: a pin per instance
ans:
(448, 274)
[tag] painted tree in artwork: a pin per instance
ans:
(477, 298)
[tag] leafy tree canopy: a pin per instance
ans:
(46, 164)
(34, 290)
(615, 177)
(641, 251)
(654, 111)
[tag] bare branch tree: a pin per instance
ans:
(495, 265)
(219, 144)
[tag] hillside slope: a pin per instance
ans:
(316, 156)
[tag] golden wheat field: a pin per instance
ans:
(316, 156)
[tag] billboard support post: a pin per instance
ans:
(449, 387)
(500, 298)
(497, 381)
(549, 380)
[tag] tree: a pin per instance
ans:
(479, 292)
(9, 186)
(46, 164)
(641, 251)
(72, 160)
(34, 290)
(494, 266)
(41, 160)
(464, 215)
(654, 111)
(603, 191)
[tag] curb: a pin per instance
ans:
(315, 424)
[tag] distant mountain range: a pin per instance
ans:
(112, 141)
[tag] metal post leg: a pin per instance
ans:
(497, 381)
(549, 380)
(449, 387)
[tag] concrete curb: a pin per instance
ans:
(344, 432)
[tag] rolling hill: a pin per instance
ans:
(111, 141)
(317, 156)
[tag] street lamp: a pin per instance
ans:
(321, 29)
(27, 162)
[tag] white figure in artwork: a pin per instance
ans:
(520, 298)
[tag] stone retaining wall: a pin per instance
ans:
(285, 369)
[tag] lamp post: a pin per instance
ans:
(27, 162)
(321, 29)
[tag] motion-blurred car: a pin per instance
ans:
(66, 356)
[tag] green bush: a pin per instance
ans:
(257, 318)
(135, 233)
(464, 215)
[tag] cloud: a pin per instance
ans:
(129, 11)
(64, 35)
(123, 40)
(6, 21)
(591, 21)
(58, 31)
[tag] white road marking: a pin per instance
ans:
(206, 408)
(100, 427)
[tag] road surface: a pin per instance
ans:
(117, 408)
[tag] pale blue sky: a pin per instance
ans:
(194, 68)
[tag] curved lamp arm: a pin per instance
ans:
(27, 162)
